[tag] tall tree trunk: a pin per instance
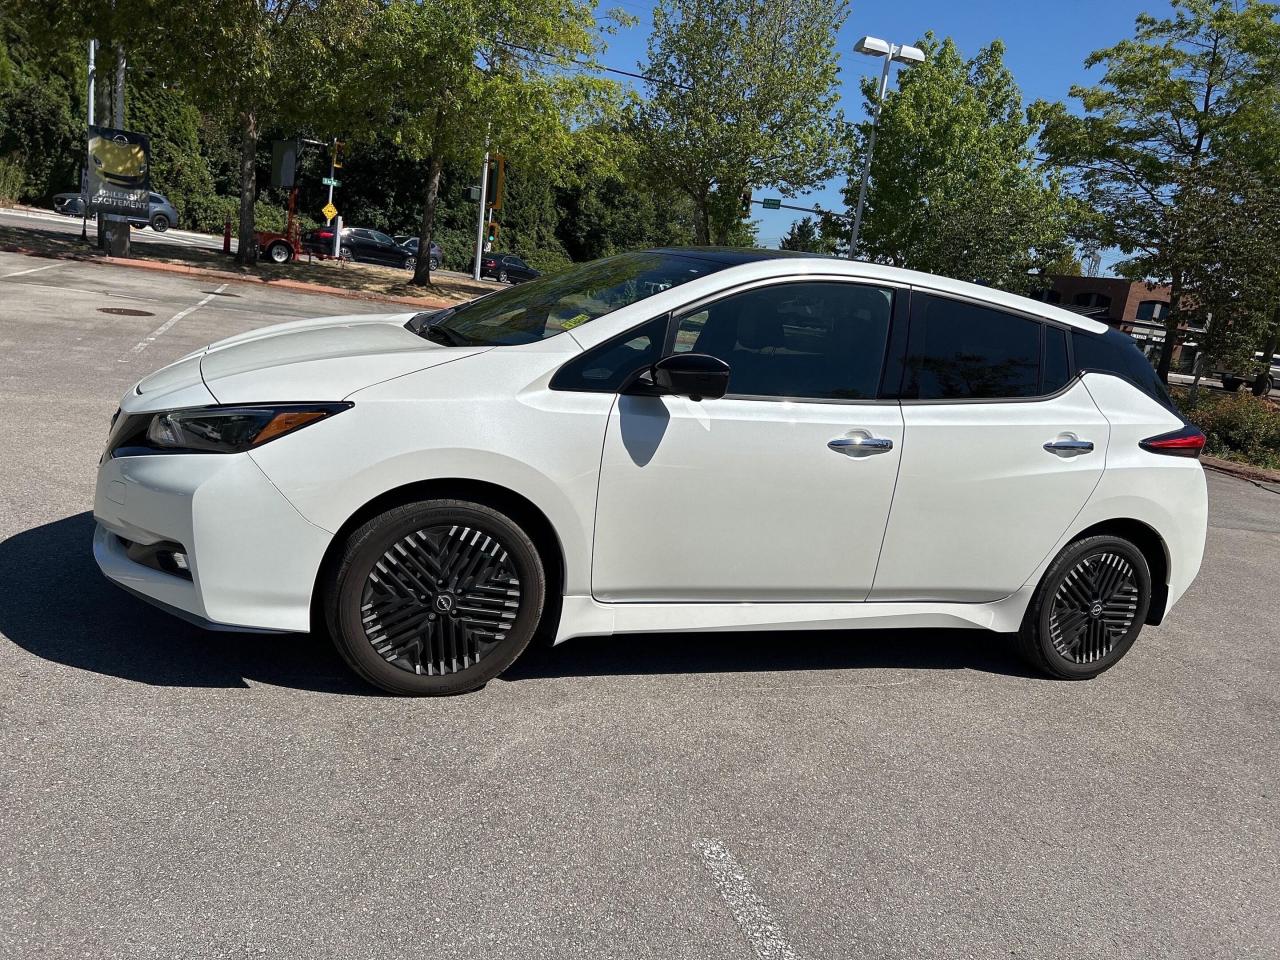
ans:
(1171, 323)
(701, 221)
(1268, 351)
(247, 253)
(422, 272)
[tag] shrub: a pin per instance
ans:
(1237, 426)
(12, 180)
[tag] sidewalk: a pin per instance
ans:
(43, 234)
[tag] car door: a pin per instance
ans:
(385, 250)
(1002, 448)
(518, 269)
(780, 490)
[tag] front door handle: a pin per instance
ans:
(857, 445)
(1069, 445)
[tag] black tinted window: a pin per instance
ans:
(818, 341)
(1115, 352)
(962, 351)
(1055, 371)
(604, 368)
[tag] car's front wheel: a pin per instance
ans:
(159, 223)
(435, 597)
(1088, 609)
(279, 252)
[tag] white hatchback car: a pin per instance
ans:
(669, 440)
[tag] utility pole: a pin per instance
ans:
(84, 173)
(903, 53)
(333, 155)
(484, 210)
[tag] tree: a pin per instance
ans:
(1171, 97)
(954, 187)
(809, 234)
(450, 78)
(743, 94)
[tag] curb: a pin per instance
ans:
(1241, 470)
(301, 286)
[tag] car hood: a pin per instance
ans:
(327, 358)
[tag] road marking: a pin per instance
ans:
(21, 273)
(160, 330)
(753, 916)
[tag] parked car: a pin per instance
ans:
(362, 245)
(678, 440)
(161, 214)
(506, 267)
(1233, 380)
(411, 244)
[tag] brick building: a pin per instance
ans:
(1135, 307)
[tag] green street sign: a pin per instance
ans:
(330, 182)
(771, 203)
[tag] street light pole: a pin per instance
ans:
(875, 47)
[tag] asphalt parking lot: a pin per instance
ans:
(169, 792)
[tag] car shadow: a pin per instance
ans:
(55, 604)
(774, 651)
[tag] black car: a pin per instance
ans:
(411, 244)
(362, 245)
(506, 267)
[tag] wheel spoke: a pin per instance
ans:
(1094, 608)
(440, 599)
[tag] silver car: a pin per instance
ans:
(160, 214)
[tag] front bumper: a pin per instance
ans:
(253, 559)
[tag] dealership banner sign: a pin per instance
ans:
(118, 176)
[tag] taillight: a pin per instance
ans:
(1187, 442)
(324, 234)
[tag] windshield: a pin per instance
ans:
(550, 305)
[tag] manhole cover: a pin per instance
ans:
(125, 312)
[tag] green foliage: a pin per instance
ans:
(41, 130)
(1193, 88)
(954, 188)
(810, 234)
(1237, 426)
(744, 94)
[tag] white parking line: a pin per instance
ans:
(753, 916)
(22, 273)
(159, 331)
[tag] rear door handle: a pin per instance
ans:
(857, 445)
(1069, 445)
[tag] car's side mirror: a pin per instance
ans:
(698, 376)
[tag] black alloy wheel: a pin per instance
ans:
(159, 223)
(435, 597)
(1088, 609)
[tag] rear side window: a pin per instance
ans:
(1055, 369)
(1115, 353)
(963, 351)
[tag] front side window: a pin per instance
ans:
(382, 238)
(814, 341)
(550, 305)
(963, 351)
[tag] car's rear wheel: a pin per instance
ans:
(159, 223)
(1088, 609)
(436, 597)
(434, 263)
(279, 252)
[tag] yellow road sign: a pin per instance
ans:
(329, 211)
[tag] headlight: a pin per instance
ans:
(232, 429)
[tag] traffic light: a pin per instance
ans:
(491, 234)
(497, 176)
(745, 211)
(339, 153)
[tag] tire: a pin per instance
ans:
(279, 252)
(381, 588)
(411, 264)
(159, 223)
(502, 276)
(1088, 610)
(1231, 384)
(434, 263)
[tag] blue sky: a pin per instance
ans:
(1046, 43)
